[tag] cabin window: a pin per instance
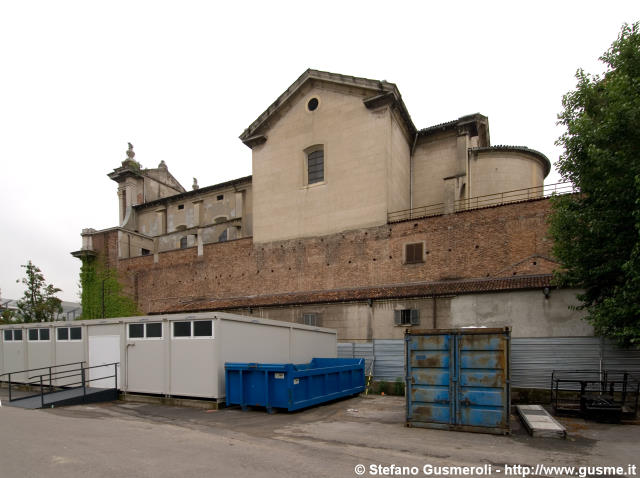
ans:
(193, 329)
(151, 330)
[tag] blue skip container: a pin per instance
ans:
(293, 386)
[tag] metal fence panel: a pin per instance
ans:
(616, 358)
(345, 350)
(532, 359)
(389, 363)
(365, 351)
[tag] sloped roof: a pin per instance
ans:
(379, 89)
(402, 291)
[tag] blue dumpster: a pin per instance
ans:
(293, 386)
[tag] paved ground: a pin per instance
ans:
(140, 440)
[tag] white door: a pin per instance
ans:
(103, 349)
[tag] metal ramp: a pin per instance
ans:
(57, 388)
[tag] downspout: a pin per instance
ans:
(435, 321)
(413, 148)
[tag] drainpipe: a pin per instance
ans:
(413, 148)
(435, 320)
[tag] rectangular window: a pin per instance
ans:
(152, 330)
(36, 335)
(145, 252)
(63, 333)
(407, 317)
(202, 328)
(413, 253)
(17, 334)
(220, 197)
(182, 329)
(311, 319)
(136, 331)
(8, 335)
(75, 333)
(193, 328)
(315, 167)
(181, 206)
(183, 242)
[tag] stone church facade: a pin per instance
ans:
(353, 219)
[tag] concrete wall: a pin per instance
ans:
(356, 144)
(399, 168)
(528, 313)
(494, 172)
(131, 244)
(434, 159)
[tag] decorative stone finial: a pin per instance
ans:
(130, 153)
(162, 165)
(195, 184)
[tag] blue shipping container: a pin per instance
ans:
(458, 379)
(293, 386)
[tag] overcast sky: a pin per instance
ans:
(181, 80)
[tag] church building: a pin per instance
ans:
(353, 219)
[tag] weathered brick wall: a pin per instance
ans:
(493, 242)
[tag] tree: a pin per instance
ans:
(596, 232)
(39, 303)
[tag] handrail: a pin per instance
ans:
(487, 200)
(65, 371)
(40, 368)
(82, 373)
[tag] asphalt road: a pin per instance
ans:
(141, 440)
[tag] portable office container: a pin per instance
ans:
(293, 386)
(170, 355)
(458, 379)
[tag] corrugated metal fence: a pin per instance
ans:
(532, 359)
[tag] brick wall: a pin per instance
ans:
(495, 242)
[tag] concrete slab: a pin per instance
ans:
(539, 423)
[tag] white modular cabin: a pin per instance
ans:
(170, 355)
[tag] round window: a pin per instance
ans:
(313, 104)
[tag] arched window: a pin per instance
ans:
(315, 166)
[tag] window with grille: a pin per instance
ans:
(311, 319)
(183, 242)
(315, 166)
(414, 253)
(407, 317)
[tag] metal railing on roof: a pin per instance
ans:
(497, 199)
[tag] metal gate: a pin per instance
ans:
(458, 379)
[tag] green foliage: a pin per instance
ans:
(597, 233)
(101, 292)
(388, 388)
(39, 303)
(8, 316)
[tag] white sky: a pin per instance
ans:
(181, 80)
